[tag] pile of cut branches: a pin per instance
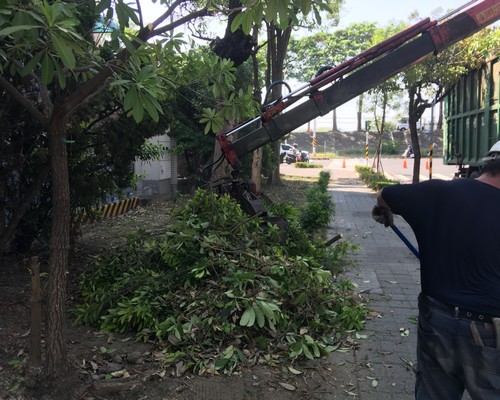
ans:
(218, 289)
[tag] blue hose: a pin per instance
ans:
(405, 241)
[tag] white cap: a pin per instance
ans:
(493, 154)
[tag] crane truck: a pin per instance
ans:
(335, 86)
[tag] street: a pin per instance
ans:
(397, 169)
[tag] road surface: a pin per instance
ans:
(398, 169)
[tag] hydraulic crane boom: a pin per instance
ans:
(356, 76)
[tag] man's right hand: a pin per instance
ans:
(383, 215)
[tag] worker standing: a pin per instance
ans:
(456, 224)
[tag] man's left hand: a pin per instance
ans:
(383, 215)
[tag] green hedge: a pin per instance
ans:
(373, 180)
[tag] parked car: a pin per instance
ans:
(285, 148)
(404, 125)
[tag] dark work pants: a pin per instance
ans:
(448, 360)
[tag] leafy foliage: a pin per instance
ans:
(284, 13)
(49, 27)
(373, 180)
(218, 290)
(307, 165)
(316, 212)
(308, 54)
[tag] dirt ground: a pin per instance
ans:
(118, 367)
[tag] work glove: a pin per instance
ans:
(383, 215)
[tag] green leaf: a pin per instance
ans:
(237, 21)
(316, 351)
(119, 82)
(31, 64)
(317, 15)
(138, 112)
(248, 317)
(61, 76)
(13, 29)
(247, 23)
(130, 12)
(297, 350)
(228, 353)
(102, 5)
(153, 113)
(47, 69)
(272, 10)
(131, 98)
(221, 363)
(305, 7)
(294, 371)
(64, 51)
(283, 14)
(128, 44)
(307, 352)
(259, 315)
(207, 128)
(125, 13)
(309, 339)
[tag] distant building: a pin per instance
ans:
(158, 178)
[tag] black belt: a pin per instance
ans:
(456, 312)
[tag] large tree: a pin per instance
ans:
(53, 72)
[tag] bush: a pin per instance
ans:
(218, 288)
(319, 207)
(372, 179)
(307, 165)
(390, 147)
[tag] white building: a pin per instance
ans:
(158, 178)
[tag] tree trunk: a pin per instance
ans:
(440, 116)
(257, 154)
(277, 45)
(360, 112)
(56, 349)
(334, 121)
(412, 124)
(385, 101)
(256, 168)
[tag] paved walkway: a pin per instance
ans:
(388, 276)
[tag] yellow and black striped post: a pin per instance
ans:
(111, 210)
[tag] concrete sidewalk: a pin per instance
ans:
(388, 277)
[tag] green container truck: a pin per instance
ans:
(471, 118)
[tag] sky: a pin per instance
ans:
(380, 11)
(385, 11)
